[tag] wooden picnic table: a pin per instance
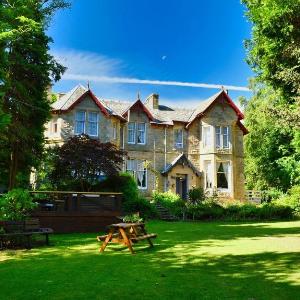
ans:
(127, 234)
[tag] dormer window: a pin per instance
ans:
(222, 137)
(131, 132)
(80, 122)
(178, 136)
(92, 124)
(87, 122)
(141, 133)
(136, 133)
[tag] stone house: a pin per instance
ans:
(169, 148)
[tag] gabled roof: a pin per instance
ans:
(206, 105)
(138, 103)
(162, 115)
(69, 98)
(181, 160)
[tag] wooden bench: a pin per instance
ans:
(25, 229)
(143, 237)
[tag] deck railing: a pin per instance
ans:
(63, 201)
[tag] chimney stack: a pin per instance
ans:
(153, 101)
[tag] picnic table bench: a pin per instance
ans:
(127, 234)
(26, 229)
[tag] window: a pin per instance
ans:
(222, 137)
(138, 171)
(141, 133)
(178, 135)
(92, 124)
(80, 122)
(208, 174)
(55, 127)
(223, 175)
(207, 136)
(131, 133)
(114, 131)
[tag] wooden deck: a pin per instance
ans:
(68, 212)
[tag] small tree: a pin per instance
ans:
(84, 160)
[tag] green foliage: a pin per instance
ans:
(196, 195)
(132, 202)
(211, 210)
(26, 71)
(272, 159)
(171, 201)
(292, 199)
(81, 159)
(16, 205)
(133, 218)
(274, 50)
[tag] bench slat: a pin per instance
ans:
(144, 237)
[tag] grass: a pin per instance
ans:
(214, 260)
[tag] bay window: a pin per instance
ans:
(208, 174)
(222, 137)
(223, 175)
(207, 140)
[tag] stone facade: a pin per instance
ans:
(168, 149)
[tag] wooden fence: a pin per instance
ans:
(255, 196)
(77, 211)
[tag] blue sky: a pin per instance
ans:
(187, 41)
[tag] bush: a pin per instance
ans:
(132, 202)
(196, 195)
(211, 210)
(292, 199)
(171, 201)
(16, 205)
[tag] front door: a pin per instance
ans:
(181, 186)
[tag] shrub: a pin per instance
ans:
(133, 218)
(171, 201)
(196, 195)
(132, 202)
(16, 205)
(141, 205)
(271, 194)
(292, 199)
(239, 211)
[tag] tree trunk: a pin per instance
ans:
(13, 167)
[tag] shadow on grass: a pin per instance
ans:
(170, 270)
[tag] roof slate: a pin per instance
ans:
(161, 115)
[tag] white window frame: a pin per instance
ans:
(88, 123)
(134, 133)
(208, 170)
(143, 131)
(84, 125)
(207, 136)
(114, 131)
(178, 145)
(219, 131)
(229, 179)
(133, 169)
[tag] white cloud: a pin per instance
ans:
(97, 68)
(81, 62)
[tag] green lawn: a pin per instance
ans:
(189, 261)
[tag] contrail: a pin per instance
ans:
(151, 82)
